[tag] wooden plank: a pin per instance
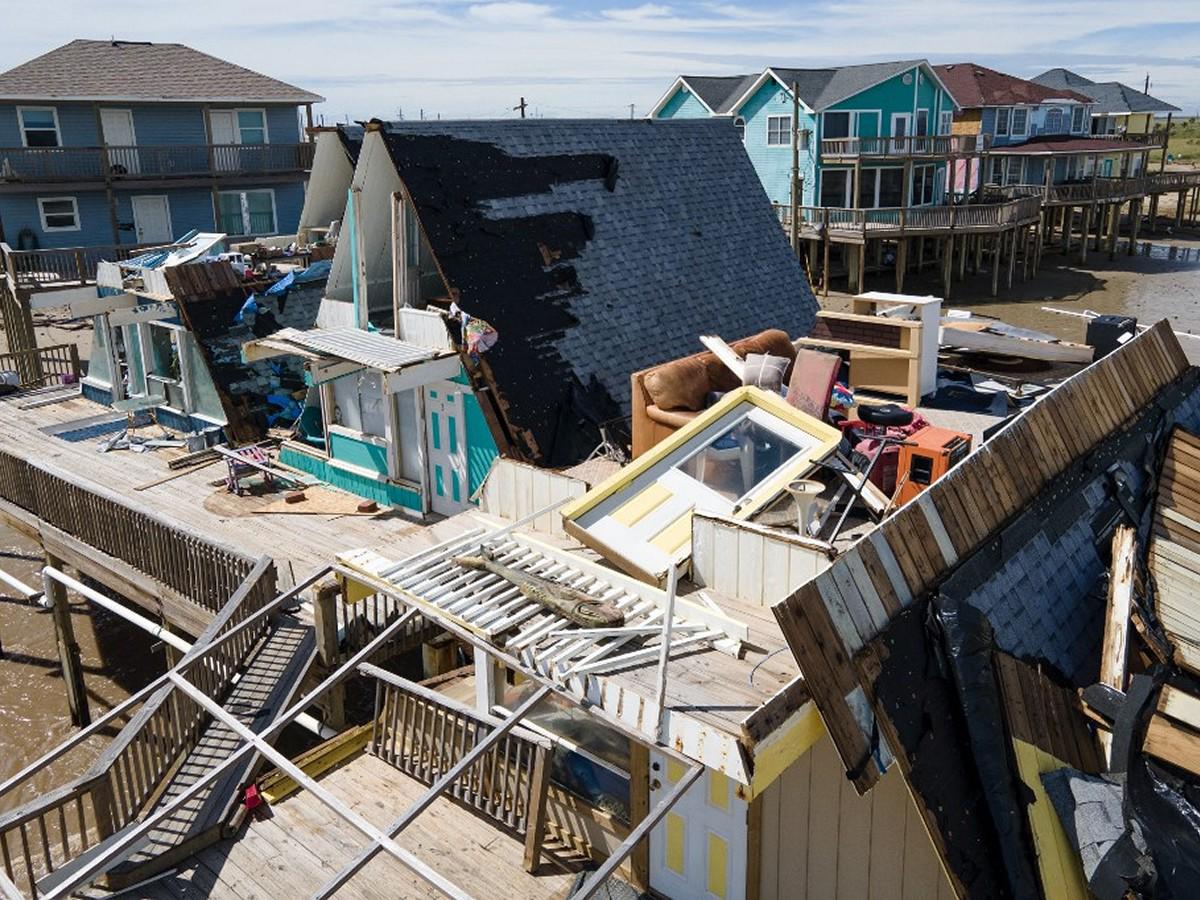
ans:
(1172, 744)
(1114, 651)
(1180, 706)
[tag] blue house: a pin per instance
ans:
(111, 143)
(870, 136)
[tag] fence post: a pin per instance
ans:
(68, 650)
(535, 819)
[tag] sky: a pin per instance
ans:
(603, 58)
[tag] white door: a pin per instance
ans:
(117, 126)
(223, 131)
(152, 219)
(445, 447)
(901, 126)
(699, 848)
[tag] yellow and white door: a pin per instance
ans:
(699, 847)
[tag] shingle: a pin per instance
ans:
(686, 243)
(973, 86)
(132, 70)
(1110, 96)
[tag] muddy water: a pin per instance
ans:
(118, 660)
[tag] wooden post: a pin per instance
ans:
(862, 266)
(308, 118)
(947, 267)
(1085, 231)
(794, 212)
(639, 808)
(825, 262)
(325, 623)
(1179, 202)
(901, 263)
(535, 819)
(1114, 228)
(857, 179)
(920, 254)
(1162, 163)
(996, 241)
(978, 253)
(1012, 259)
(68, 650)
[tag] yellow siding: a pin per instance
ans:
(820, 839)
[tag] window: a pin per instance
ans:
(755, 447)
(997, 174)
(247, 212)
(868, 180)
(408, 421)
(1002, 115)
(59, 213)
(39, 126)
(1020, 121)
(945, 122)
(923, 122)
(252, 126)
(740, 125)
(923, 185)
(779, 130)
(1014, 170)
(1054, 121)
(891, 188)
(359, 402)
(835, 187)
(836, 125)
(1077, 119)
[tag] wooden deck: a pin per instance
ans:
(299, 543)
(303, 844)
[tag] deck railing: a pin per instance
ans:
(54, 827)
(51, 164)
(423, 734)
(42, 366)
(201, 570)
(932, 146)
(61, 266)
(918, 219)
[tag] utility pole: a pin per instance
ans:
(794, 211)
(631, 110)
(1147, 89)
(521, 106)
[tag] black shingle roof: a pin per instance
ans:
(1110, 96)
(597, 248)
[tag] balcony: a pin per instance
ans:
(928, 147)
(40, 165)
(56, 268)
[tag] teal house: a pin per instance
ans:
(875, 135)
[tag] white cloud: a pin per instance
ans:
(474, 58)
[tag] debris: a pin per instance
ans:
(294, 497)
(577, 606)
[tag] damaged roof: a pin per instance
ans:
(142, 71)
(973, 85)
(596, 249)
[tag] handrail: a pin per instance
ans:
(62, 266)
(902, 219)
(132, 162)
(912, 145)
(41, 366)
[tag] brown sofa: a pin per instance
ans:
(668, 396)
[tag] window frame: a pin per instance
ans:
(53, 110)
(1080, 111)
(945, 122)
(241, 194)
(1017, 162)
(1012, 128)
(739, 125)
(787, 133)
(846, 188)
(238, 127)
(917, 132)
(51, 229)
(1003, 115)
(850, 129)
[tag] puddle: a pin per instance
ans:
(1151, 250)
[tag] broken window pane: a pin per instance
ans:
(744, 455)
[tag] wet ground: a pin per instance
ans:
(118, 660)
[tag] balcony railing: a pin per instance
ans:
(919, 146)
(49, 164)
(816, 220)
(61, 267)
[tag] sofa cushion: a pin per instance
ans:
(674, 418)
(765, 371)
(681, 384)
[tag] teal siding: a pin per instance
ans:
(381, 492)
(481, 446)
(774, 163)
(683, 105)
(358, 453)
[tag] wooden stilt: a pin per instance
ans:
(862, 268)
(1114, 228)
(1085, 230)
(901, 263)
(920, 255)
(947, 267)
(825, 260)
(1135, 219)
(978, 253)
(962, 256)
(1012, 259)
(1067, 225)
(995, 264)
(1179, 201)
(68, 650)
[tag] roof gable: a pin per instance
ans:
(143, 72)
(1111, 97)
(820, 89)
(596, 249)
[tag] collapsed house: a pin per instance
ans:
(585, 250)
(953, 642)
